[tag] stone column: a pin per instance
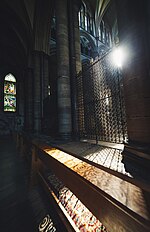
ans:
(21, 102)
(45, 75)
(40, 88)
(46, 116)
(75, 60)
(63, 72)
(29, 100)
(133, 37)
(37, 92)
(76, 9)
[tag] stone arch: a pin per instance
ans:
(42, 21)
(89, 41)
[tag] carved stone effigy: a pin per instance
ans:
(46, 225)
(83, 219)
(113, 195)
(114, 201)
(121, 190)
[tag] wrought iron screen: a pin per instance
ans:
(100, 103)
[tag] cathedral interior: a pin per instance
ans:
(75, 112)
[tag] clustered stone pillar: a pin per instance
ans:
(45, 75)
(29, 100)
(63, 72)
(133, 36)
(21, 100)
(40, 88)
(77, 39)
(78, 63)
(75, 60)
(37, 93)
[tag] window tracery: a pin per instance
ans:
(10, 93)
(86, 21)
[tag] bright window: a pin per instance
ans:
(86, 20)
(10, 93)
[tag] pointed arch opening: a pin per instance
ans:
(9, 93)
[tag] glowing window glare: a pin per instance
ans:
(118, 57)
(10, 77)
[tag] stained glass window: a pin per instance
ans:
(10, 93)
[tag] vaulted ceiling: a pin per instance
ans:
(24, 27)
(16, 35)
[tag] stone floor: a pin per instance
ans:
(109, 157)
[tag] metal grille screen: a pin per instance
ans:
(100, 104)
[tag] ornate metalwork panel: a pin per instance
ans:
(100, 102)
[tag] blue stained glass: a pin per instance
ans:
(10, 93)
(9, 88)
(9, 103)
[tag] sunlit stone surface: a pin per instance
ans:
(129, 195)
(108, 157)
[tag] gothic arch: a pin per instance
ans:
(10, 93)
(42, 21)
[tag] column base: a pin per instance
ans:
(65, 136)
(137, 153)
(136, 160)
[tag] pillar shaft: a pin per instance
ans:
(21, 101)
(77, 39)
(29, 100)
(63, 72)
(46, 116)
(75, 60)
(46, 76)
(37, 93)
(41, 82)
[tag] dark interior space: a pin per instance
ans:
(75, 115)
